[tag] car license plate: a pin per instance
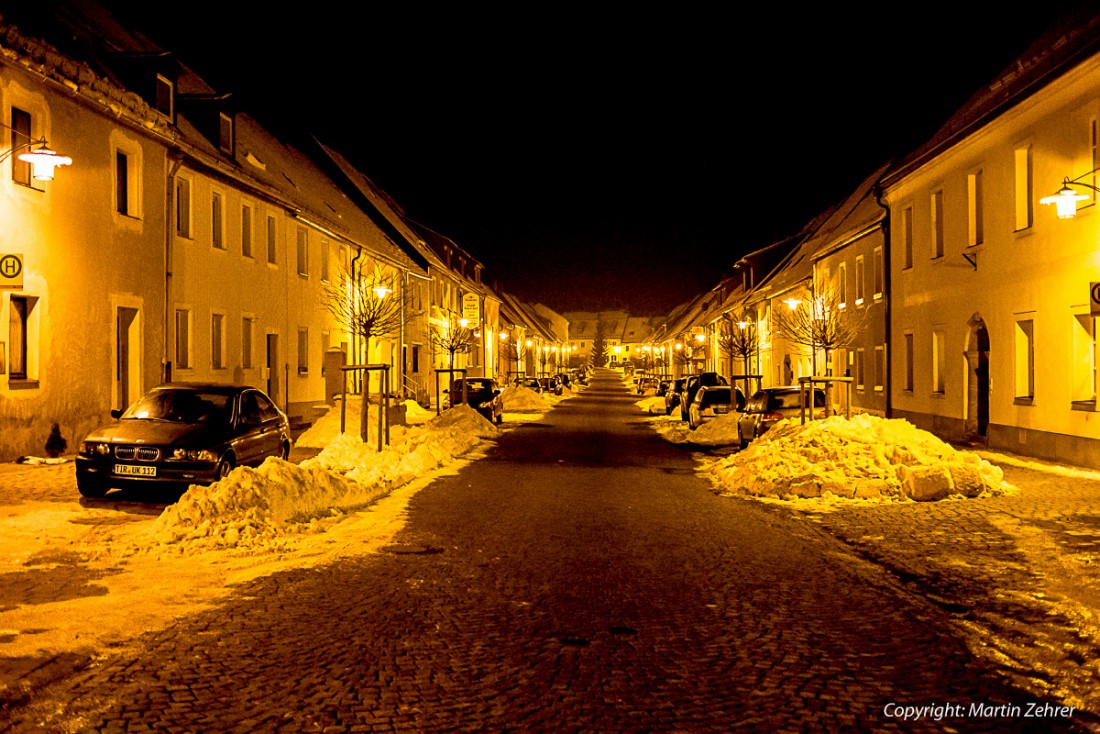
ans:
(135, 471)
(721, 408)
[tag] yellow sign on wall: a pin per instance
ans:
(471, 308)
(11, 271)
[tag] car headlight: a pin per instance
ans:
(194, 455)
(94, 448)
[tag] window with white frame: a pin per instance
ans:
(1084, 358)
(859, 280)
(303, 252)
(939, 363)
(183, 338)
(127, 187)
(907, 346)
(21, 136)
(22, 341)
(183, 206)
(247, 328)
(225, 133)
(937, 224)
(1023, 187)
(907, 237)
(842, 284)
(165, 101)
(880, 368)
(877, 274)
(217, 220)
(217, 340)
(303, 350)
(975, 209)
(1025, 359)
(860, 366)
(272, 239)
(246, 229)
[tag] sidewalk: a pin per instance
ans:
(1018, 574)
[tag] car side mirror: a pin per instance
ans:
(497, 391)
(116, 413)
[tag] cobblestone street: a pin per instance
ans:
(582, 577)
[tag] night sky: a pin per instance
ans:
(599, 160)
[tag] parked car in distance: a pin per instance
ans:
(551, 385)
(769, 406)
(673, 394)
(694, 382)
(714, 400)
(179, 434)
(647, 383)
(483, 394)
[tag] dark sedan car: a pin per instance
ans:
(673, 394)
(694, 382)
(181, 434)
(772, 404)
(483, 394)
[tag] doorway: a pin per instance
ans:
(977, 359)
(127, 356)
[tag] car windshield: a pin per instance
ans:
(791, 400)
(179, 406)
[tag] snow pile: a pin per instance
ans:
(862, 458)
(653, 405)
(520, 399)
(256, 509)
(326, 428)
(719, 430)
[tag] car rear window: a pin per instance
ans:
(792, 400)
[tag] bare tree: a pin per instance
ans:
(453, 338)
(370, 306)
(738, 339)
(820, 324)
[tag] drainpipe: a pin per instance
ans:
(888, 305)
(354, 356)
(176, 162)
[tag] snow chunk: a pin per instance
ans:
(520, 399)
(862, 458)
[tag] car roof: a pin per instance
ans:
(213, 387)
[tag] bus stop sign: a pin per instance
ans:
(11, 272)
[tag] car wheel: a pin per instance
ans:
(224, 467)
(94, 490)
(668, 410)
(499, 418)
(284, 452)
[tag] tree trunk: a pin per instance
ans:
(364, 418)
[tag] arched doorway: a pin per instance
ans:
(977, 358)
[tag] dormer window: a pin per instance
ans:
(166, 96)
(225, 133)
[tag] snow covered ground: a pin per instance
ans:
(862, 458)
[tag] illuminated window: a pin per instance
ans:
(877, 274)
(303, 252)
(217, 220)
(842, 284)
(246, 342)
(1025, 359)
(939, 363)
(217, 341)
(183, 207)
(183, 338)
(20, 137)
(907, 385)
(272, 251)
(975, 209)
(1023, 181)
(859, 280)
(1084, 358)
(907, 237)
(303, 350)
(937, 224)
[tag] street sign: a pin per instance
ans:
(471, 308)
(11, 271)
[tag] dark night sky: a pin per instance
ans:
(603, 160)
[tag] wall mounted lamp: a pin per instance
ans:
(43, 160)
(1065, 200)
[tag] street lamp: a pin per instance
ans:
(42, 160)
(1065, 200)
